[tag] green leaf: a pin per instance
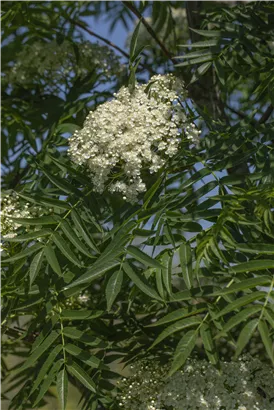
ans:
(152, 190)
(220, 72)
(178, 314)
(269, 315)
(67, 128)
(208, 343)
(62, 184)
(203, 59)
(201, 70)
(176, 327)
(106, 260)
(183, 350)
(196, 177)
(139, 283)
(207, 33)
(256, 248)
(29, 236)
(244, 300)
(133, 42)
(251, 266)
(81, 336)
(78, 223)
(167, 272)
(38, 351)
(96, 271)
(159, 283)
(245, 336)
(35, 266)
(42, 200)
(42, 220)
(62, 388)
(203, 44)
(185, 255)
(113, 287)
(80, 314)
(81, 375)
(45, 367)
(244, 284)
(143, 257)
(52, 259)
(48, 326)
(23, 254)
(268, 343)
(239, 318)
(64, 248)
(82, 355)
(48, 381)
(73, 238)
(195, 54)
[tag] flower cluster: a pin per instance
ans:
(12, 208)
(246, 384)
(59, 64)
(133, 132)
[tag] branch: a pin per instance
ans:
(91, 33)
(132, 8)
(266, 115)
(106, 41)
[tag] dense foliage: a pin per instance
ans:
(137, 223)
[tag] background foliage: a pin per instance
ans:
(95, 281)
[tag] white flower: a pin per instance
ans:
(131, 132)
(199, 386)
(11, 207)
(60, 63)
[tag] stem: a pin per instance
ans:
(62, 333)
(132, 8)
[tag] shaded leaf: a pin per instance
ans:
(35, 266)
(140, 283)
(76, 371)
(62, 387)
(208, 343)
(45, 367)
(143, 257)
(82, 355)
(185, 255)
(113, 287)
(23, 254)
(239, 318)
(52, 259)
(268, 343)
(183, 350)
(38, 351)
(48, 381)
(176, 327)
(64, 248)
(245, 336)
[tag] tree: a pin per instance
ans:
(137, 221)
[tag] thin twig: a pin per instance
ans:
(132, 8)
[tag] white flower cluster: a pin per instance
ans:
(247, 384)
(59, 63)
(11, 207)
(133, 132)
